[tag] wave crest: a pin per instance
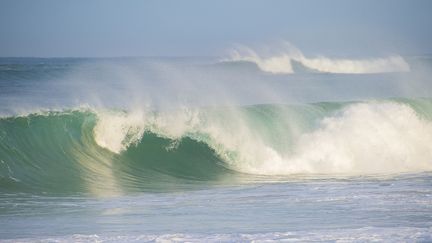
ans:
(283, 62)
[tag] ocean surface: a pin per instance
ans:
(235, 149)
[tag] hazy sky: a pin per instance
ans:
(199, 28)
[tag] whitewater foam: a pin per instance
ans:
(118, 130)
(283, 62)
(341, 235)
(362, 138)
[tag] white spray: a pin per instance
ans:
(283, 62)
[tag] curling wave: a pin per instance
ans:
(108, 150)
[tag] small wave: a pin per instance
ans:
(283, 62)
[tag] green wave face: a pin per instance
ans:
(115, 152)
(56, 152)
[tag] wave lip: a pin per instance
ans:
(282, 63)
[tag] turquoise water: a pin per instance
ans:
(198, 149)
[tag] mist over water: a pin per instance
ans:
(220, 102)
(243, 77)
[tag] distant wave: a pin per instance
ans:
(282, 62)
(89, 150)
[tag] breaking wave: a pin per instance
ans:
(292, 59)
(88, 150)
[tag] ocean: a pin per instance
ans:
(238, 149)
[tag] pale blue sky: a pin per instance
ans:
(200, 28)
